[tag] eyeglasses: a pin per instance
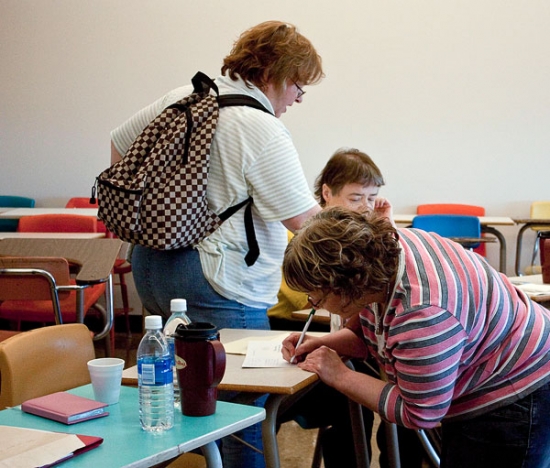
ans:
(301, 92)
(316, 305)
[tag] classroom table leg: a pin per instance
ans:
(358, 429)
(502, 242)
(518, 248)
(392, 445)
(269, 431)
(212, 455)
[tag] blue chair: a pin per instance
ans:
(8, 201)
(463, 229)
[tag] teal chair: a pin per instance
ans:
(463, 229)
(8, 201)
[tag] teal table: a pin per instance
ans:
(126, 444)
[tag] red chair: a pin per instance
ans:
(121, 268)
(454, 208)
(57, 223)
(40, 289)
(84, 202)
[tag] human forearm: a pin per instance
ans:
(361, 388)
(295, 223)
(346, 343)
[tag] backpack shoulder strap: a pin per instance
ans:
(229, 100)
(202, 83)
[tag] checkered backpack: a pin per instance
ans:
(156, 195)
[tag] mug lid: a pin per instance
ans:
(196, 331)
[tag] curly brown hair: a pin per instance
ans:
(343, 252)
(347, 166)
(273, 52)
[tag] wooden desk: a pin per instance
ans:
(94, 257)
(16, 213)
(284, 386)
(533, 286)
(126, 444)
(487, 223)
(320, 316)
(527, 223)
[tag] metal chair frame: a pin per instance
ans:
(55, 290)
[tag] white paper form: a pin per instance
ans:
(241, 346)
(532, 288)
(265, 354)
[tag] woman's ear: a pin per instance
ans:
(326, 192)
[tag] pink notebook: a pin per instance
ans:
(65, 407)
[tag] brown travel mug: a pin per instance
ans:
(545, 256)
(200, 363)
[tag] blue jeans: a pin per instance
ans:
(514, 436)
(164, 275)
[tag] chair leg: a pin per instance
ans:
(318, 452)
(535, 249)
(125, 302)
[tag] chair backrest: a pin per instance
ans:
(450, 208)
(58, 223)
(17, 285)
(80, 202)
(34, 279)
(540, 210)
(454, 208)
(449, 225)
(43, 361)
(84, 202)
(8, 201)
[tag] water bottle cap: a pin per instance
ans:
(153, 322)
(178, 305)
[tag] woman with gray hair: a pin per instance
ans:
(459, 345)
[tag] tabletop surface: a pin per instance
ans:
(16, 213)
(484, 220)
(532, 220)
(126, 444)
(277, 380)
(321, 315)
(533, 286)
(51, 235)
(95, 257)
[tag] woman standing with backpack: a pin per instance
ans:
(252, 154)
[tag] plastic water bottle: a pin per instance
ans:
(156, 388)
(178, 307)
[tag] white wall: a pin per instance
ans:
(450, 98)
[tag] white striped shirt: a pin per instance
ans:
(252, 154)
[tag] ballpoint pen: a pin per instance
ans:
(302, 336)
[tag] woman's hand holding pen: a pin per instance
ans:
(289, 349)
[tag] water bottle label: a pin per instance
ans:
(172, 346)
(155, 371)
(148, 374)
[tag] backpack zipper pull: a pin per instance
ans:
(94, 189)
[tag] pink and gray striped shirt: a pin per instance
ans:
(458, 339)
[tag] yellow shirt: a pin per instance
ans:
(288, 300)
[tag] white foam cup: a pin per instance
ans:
(106, 375)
